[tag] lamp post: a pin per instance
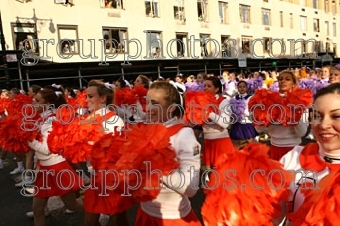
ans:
(3, 47)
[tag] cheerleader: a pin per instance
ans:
(99, 96)
(321, 158)
(172, 206)
(284, 138)
(325, 71)
(51, 184)
(242, 129)
(334, 75)
(217, 143)
(138, 114)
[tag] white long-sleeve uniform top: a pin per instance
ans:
(42, 152)
(217, 127)
(173, 201)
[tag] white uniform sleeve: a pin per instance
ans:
(186, 180)
(42, 147)
(223, 119)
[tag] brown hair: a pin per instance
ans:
(102, 90)
(145, 81)
(216, 82)
(50, 96)
(35, 88)
(173, 97)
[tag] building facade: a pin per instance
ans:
(126, 30)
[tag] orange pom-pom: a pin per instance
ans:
(125, 96)
(248, 184)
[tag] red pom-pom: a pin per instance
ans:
(248, 184)
(321, 205)
(196, 104)
(140, 92)
(125, 96)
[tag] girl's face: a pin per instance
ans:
(138, 82)
(30, 92)
(94, 101)
(40, 104)
(334, 76)
(242, 88)
(117, 85)
(324, 73)
(286, 82)
(199, 78)
(209, 87)
(67, 93)
(4, 95)
(157, 108)
(326, 122)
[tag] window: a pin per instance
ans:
(182, 45)
(291, 20)
(226, 47)
(334, 29)
(179, 12)
(223, 12)
(205, 46)
(327, 27)
(303, 3)
(24, 35)
(315, 4)
(326, 6)
(316, 25)
(333, 7)
(68, 36)
(266, 17)
(303, 23)
(317, 46)
(328, 47)
(115, 4)
(245, 13)
(246, 41)
(281, 18)
(202, 10)
(151, 8)
(154, 44)
(267, 45)
(334, 49)
(114, 40)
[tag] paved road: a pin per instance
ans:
(13, 206)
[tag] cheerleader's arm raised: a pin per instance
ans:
(224, 118)
(42, 147)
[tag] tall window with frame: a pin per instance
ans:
(154, 44)
(68, 39)
(316, 25)
(246, 42)
(303, 23)
(334, 29)
(151, 8)
(317, 47)
(326, 6)
(182, 44)
(333, 7)
(226, 47)
(205, 45)
(202, 10)
(223, 12)
(291, 20)
(179, 13)
(23, 37)
(315, 4)
(267, 45)
(327, 27)
(266, 17)
(245, 13)
(112, 4)
(114, 40)
(281, 18)
(328, 47)
(334, 49)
